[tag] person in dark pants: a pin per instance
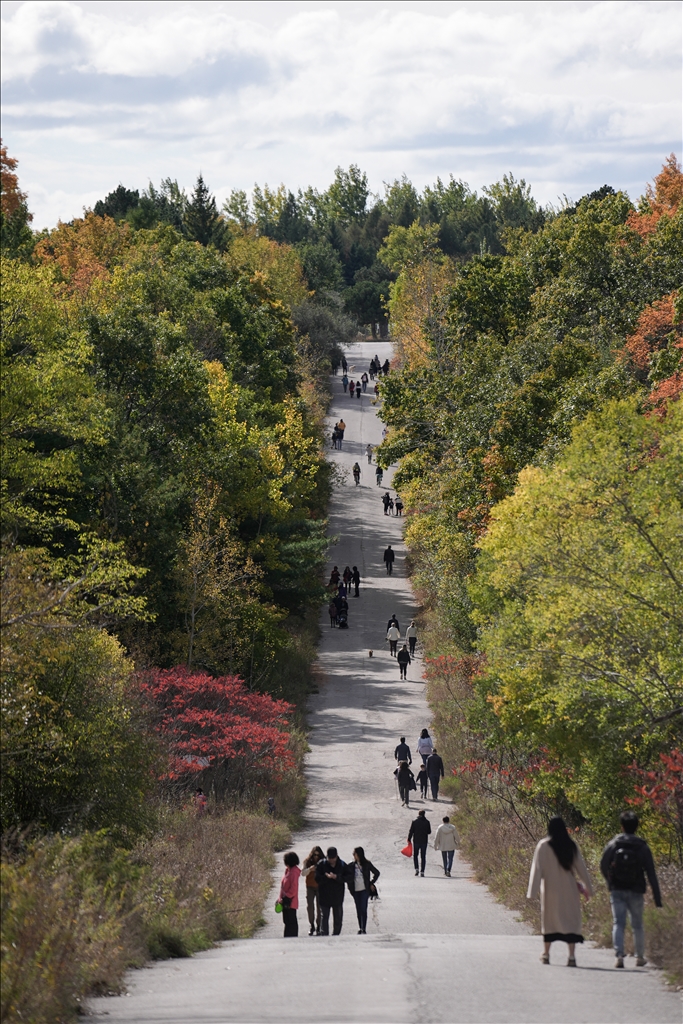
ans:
(403, 659)
(393, 621)
(411, 637)
(625, 861)
(385, 501)
(435, 772)
(312, 902)
(289, 894)
(389, 559)
(329, 874)
(406, 782)
(355, 579)
(419, 836)
(345, 365)
(402, 752)
(379, 473)
(360, 875)
(422, 779)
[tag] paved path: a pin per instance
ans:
(437, 949)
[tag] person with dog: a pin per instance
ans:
(393, 636)
(625, 862)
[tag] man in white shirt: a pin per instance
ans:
(393, 636)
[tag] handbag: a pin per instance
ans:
(407, 851)
(278, 907)
(374, 895)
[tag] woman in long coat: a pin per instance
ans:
(559, 874)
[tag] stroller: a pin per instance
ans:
(342, 620)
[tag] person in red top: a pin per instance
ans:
(289, 894)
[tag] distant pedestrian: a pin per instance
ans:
(385, 501)
(389, 558)
(403, 659)
(355, 579)
(625, 861)
(393, 636)
(391, 506)
(557, 863)
(344, 364)
(378, 475)
(385, 368)
(364, 381)
(425, 747)
(356, 473)
(347, 574)
(352, 387)
(200, 801)
(335, 438)
(402, 752)
(312, 901)
(435, 771)
(358, 389)
(376, 390)
(422, 780)
(334, 577)
(406, 782)
(399, 506)
(445, 841)
(411, 637)
(334, 362)
(368, 452)
(332, 612)
(289, 894)
(329, 874)
(361, 874)
(420, 831)
(271, 805)
(393, 621)
(345, 382)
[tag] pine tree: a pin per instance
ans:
(202, 221)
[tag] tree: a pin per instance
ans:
(118, 203)
(202, 221)
(16, 237)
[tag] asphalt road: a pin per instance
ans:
(438, 949)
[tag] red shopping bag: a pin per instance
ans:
(407, 851)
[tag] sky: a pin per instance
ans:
(567, 95)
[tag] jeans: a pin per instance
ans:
(290, 922)
(623, 902)
(447, 858)
(337, 917)
(434, 783)
(313, 907)
(390, 567)
(404, 671)
(361, 900)
(422, 851)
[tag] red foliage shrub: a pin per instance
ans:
(662, 791)
(210, 724)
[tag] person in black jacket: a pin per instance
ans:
(403, 659)
(355, 579)
(389, 559)
(393, 621)
(360, 875)
(419, 833)
(329, 874)
(625, 861)
(435, 772)
(406, 782)
(421, 780)
(402, 752)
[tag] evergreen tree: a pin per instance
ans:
(202, 221)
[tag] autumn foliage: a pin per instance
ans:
(656, 348)
(661, 201)
(218, 727)
(12, 196)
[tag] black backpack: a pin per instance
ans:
(624, 871)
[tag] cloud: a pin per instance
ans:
(567, 94)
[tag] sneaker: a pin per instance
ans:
(640, 961)
(619, 961)
(312, 931)
(422, 874)
(417, 873)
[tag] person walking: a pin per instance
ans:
(332, 612)
(385, 501)
(364, 381)
(361, 874)
(406, 782)
(402, 752)
(347, 577)
(289, 894)
(399, 506)
(379, 473)
(368, 452)
(329, 874)
(425, 747)
(312, 902)
(625, 861)
(356, 473)
(446, 840)
(352, 387)
(385, 368)
(355, 579)
(345, 381)
(335, 438)
(403, 659)
(344, 364)
(393, 636)
(420, 831)
(358, 389)
(334, 577)
(341, 427)
(435, 771)
(389, 558)
(411, 637)
(422, 779)
(556, 866)
(393, 621)
(391, 506)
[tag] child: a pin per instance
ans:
(422, 780)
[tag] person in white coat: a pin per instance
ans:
(425, 747)
(393, 636)
(559, 874)
(446, 840)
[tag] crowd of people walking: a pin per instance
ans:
(327, 878)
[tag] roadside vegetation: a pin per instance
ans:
(535, 410)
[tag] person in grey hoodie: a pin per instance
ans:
(446, 841)
(625, 861)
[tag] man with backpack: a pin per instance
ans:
(625, 861)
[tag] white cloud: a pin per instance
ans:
(566, 94)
